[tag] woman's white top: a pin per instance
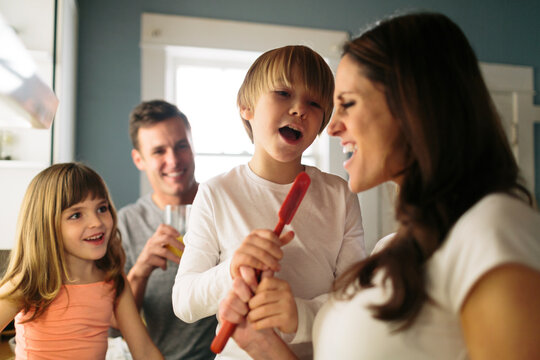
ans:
(498, 230)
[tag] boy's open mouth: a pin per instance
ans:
(289, 133)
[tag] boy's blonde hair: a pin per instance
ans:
(275, 68)
(37, 266)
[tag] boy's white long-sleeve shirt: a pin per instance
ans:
(328, 239)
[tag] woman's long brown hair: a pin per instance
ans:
(457, 151)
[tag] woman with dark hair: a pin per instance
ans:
(461, 276)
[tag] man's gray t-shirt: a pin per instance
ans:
(174, 338)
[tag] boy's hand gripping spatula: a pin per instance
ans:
(286, 213)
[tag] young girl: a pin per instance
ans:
(64, 281)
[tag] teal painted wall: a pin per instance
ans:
(501, 31)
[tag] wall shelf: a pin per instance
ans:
(19, 164)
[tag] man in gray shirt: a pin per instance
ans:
(163, 149)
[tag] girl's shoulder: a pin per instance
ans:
(9, 288)
(10, 303)
(6, 289)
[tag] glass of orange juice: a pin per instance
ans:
(177, 217)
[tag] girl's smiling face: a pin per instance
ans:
(86, 229)
(366, 128)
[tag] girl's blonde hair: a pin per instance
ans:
(37, 266)
(275, 67)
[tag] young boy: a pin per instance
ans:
(285, 101)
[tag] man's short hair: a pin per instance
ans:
(152, 112)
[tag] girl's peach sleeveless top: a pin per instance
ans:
(75, 325)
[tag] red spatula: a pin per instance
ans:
(286, 213)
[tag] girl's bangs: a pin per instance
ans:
(81, 185)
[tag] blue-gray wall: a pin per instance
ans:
(501, 31)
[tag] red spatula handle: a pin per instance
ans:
(286, 213)
(225, 332)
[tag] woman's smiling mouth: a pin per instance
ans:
(349, 149)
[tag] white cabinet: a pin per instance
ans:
(512, 90)
(40, 24)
